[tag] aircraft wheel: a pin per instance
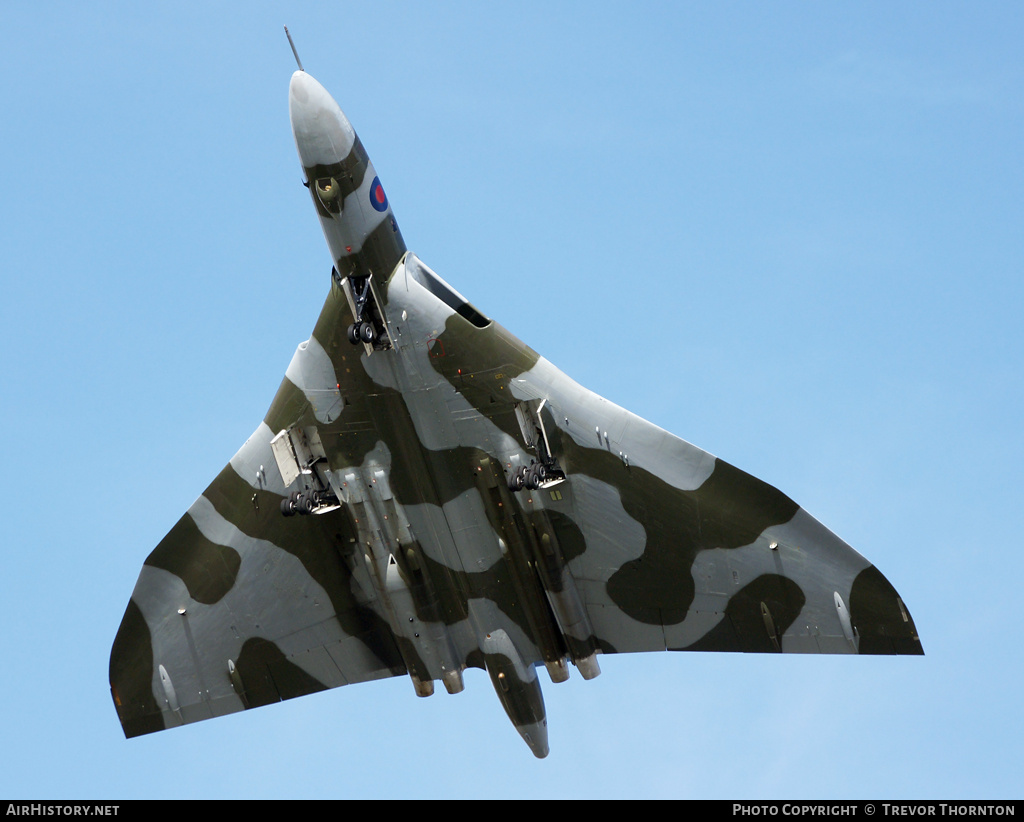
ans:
(366, 333)
(305, 504)
(353, 334)
(286, 508)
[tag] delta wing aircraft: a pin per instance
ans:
(428, 494)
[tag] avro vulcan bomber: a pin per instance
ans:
(427, 493)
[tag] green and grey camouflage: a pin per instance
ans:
(426, 494)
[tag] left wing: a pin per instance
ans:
(239, 607)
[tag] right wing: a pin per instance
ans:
(673, 549)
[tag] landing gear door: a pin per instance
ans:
(295, 451)
(284, 455)
(526, 425)
(531, 423)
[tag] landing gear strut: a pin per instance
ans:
(368, 327)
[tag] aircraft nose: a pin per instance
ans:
(323, 134)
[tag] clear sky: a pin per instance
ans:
(790, 233)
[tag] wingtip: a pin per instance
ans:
(881, 617)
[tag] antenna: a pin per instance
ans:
(292, 44)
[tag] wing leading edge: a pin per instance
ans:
(427, 494)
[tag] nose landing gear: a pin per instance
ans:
(362, 332)
(369, 328)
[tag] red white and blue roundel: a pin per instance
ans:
(378, 199)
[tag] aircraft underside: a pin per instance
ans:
(426, 494)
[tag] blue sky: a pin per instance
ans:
(789, 233)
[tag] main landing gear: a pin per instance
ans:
(534, 476)
(308, 502)
(545, 471)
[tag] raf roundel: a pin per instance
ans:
(378, 199)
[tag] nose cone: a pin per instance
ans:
(323, 134)
(354, 211)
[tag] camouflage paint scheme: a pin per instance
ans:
(431, 559)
